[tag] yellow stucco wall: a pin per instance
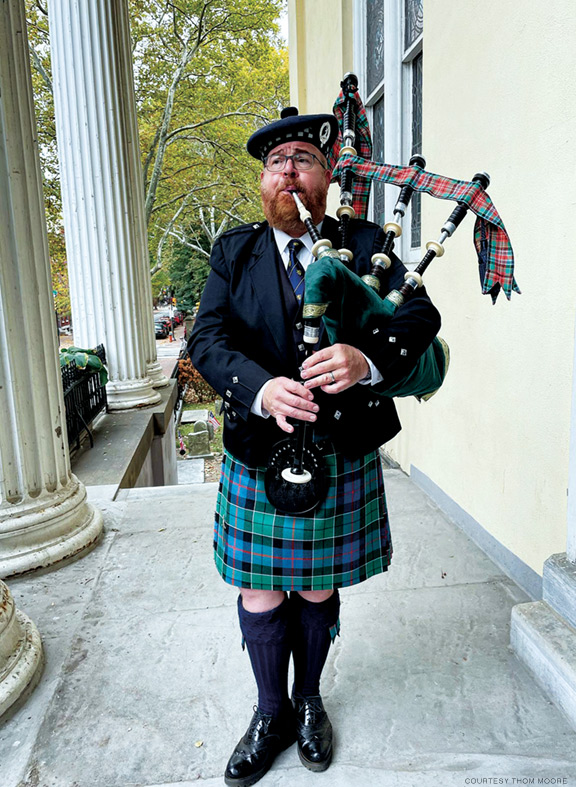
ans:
(320, 40)
(500, 97)
(321, 52)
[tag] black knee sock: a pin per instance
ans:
(268, 641)
(313, 625)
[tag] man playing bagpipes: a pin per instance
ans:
(248, 344)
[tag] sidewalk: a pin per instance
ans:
(146, 684)
(167, 351)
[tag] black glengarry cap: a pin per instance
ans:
(318, 130)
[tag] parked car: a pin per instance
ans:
(162, 318)
(161, 329)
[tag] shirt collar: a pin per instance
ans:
(283, 239)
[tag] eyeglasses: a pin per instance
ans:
(276, 162)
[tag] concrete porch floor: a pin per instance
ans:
(146, 684)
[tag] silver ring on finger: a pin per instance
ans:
(333, 378)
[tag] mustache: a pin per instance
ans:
(308, 196)
(289, 188)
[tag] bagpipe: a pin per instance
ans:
(346, 303)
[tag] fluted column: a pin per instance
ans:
(571, 539)
(21, 652)
(136, 188)
(44, 515)
(96, 143)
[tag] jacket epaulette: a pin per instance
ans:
(260, 225)
(244, 228)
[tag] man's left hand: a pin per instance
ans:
(335, 368)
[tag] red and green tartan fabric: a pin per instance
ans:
(495, 255)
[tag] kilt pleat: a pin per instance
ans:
(343, 542)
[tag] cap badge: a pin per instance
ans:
(324, 133)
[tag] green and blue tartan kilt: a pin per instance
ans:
(343, 542)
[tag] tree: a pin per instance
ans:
(221, 76)
(207, 73)
(188, 273)
(46, 126)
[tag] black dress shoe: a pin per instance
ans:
(255, 752)
(313, 732)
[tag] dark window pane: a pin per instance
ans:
(375, 43)
(416, 144)
(378, 155)
(413, 21)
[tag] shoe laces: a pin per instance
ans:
(312, 707)
(259, 724)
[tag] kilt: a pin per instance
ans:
(343, 542)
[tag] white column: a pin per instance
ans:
(571, 540)
(136, 189)
(95, 144)
(21, 652)
(44, 516)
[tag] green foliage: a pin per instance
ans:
(207, 75)
(59, 271)
(46, 131)
(188, 274)
(160, 281)
(84, 359)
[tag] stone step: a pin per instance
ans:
(190, 471)
(546, 645)
(191, 416)
(205, 494)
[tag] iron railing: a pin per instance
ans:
(180, 386)
(84, 398)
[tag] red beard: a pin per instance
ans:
(281, 211)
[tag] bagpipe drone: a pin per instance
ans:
(346, 303)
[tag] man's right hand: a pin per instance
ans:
(285, 398)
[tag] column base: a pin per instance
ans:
(21, 654)
(543, 634)
(156, 375)
(546, 645)
(54, 528)
(128, 394)
(559, 586)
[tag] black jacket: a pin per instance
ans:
(247, 332)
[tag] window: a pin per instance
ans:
(378, 152)
(375, 44)
(412, 57)
(388, 61)
(416, 144)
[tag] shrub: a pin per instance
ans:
(198, 389)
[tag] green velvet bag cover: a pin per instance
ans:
(349, 308)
